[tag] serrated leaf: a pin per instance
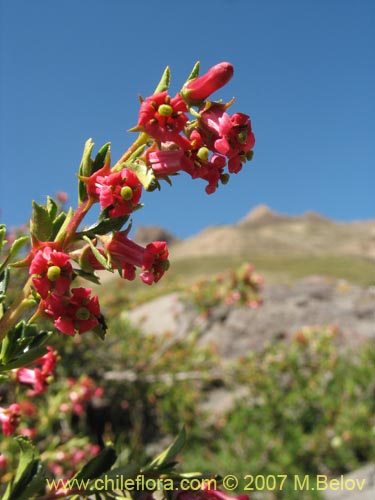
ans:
(164, 81)
(28, 469)
(25, 359)
(102, 158)
(85, 168)
(167, 455)
(145, 175)
(106, 224)
(57, 224)
(51, 207)
(98, 465)
(41, 224)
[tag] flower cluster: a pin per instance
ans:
(81, 392)
(72, 310)
(203, 146)
(241, 287)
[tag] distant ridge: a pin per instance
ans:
(264, 232)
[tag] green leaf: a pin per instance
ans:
(60, 236)
(89, 276)
(167, 455)
(57, 224)
(99, 257)
(51, 207)
(27, 358)
(100, 330)
(85, 169)
(4, 280)
(98, 465)
(194, 72)
(106, 224)
(22, 345)
(103, 156)
(17, 245)
(145, 175)
(41, 223)
(164, 81)
(28, 475)
(3, 232)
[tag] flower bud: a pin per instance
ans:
(203, 86)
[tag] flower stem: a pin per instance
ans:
(75, 221)
(142, 139)
(12, 315)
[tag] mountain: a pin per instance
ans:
(265, 232)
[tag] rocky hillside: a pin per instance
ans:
(264, 232)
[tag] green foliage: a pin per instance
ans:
(308, 410)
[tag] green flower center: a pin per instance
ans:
(203, 154)
(126, 193)
(53, 273)
(82, 313)
(165, 110)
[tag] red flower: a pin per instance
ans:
(76, 313)
(205, 85)
(48, 361)
(121, 191)
(34, 377)
(39, 378)
(162, 117)
(51, 272)
(165, 162)
(126, 254)
(9, 418)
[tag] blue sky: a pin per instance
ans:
(304, 72)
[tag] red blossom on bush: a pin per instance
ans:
(119, 191)
(126, 255)
(163, 117)
(230, 136)
(9, 418)
(75, 313)
(51, 271)
(82, 391)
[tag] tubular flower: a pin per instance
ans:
(34, 377)
(202, 87)
(126, 255)
(121, 191)
(229, 136)
(51, 272)
(165, 162)
(76, 313)
(39, 378)
(163, 117)
(9, 418)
